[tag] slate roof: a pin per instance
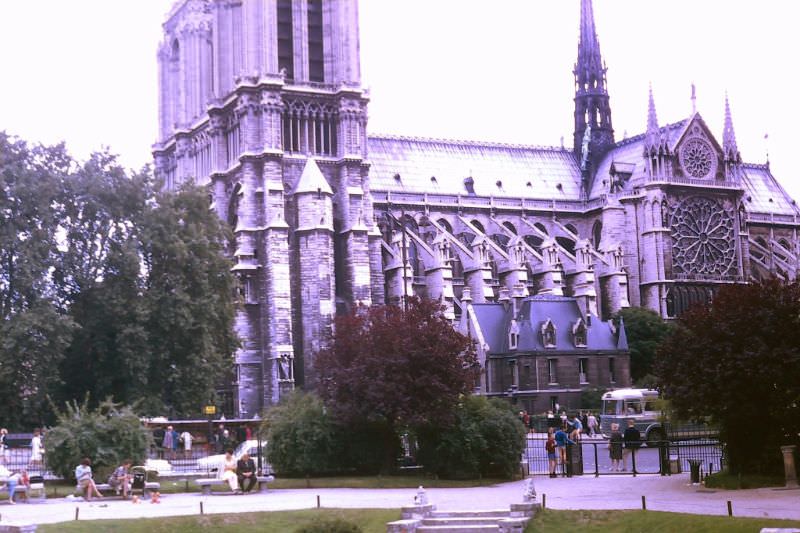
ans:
(523, 171)
(630, 151)
(763, 193)
(495, 320)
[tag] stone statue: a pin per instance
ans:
(421, 497)
(285, 366)
(587, 137)
(529, 490)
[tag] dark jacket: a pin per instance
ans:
(632, 438)
(243, 466)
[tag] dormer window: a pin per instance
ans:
(513, 335)
(469, 185)
(579, 333)
(549, 334)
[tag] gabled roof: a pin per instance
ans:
(421, 165)
(630, 153)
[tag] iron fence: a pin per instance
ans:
(591, 456)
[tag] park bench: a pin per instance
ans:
(206, 483)
(150, 486)
(21, 489)
(32, 492)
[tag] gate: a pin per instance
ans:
(591, 457)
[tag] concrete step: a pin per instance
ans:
(498, 513)
(458, 529)
(463, 521)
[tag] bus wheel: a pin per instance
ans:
(654, 437)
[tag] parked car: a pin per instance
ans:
(216, 462)
(162, 466)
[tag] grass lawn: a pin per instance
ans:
(551, 521)
(725, 480)
(374, 521)
(370, 520)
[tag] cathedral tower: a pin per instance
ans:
(592, 108)
(250, 92)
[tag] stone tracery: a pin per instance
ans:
(697, 158)
(703, 238)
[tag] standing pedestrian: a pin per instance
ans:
(170, 442)
(577, 427)
(4, 446)
(591, 423)
(632, 440)
(562, 440)
(615, 447)
(158, 439)
(186, 439)
(37, 451)
(550, 447)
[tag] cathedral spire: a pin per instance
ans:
(651, 136)
(592, 109)
(728, 135)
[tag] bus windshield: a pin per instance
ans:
(610, 407)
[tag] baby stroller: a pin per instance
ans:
(138, 480)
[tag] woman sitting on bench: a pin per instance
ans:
(14, 479)
(83, 473)
(229, 471)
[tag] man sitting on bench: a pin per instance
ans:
(246, 472)
(120, 478)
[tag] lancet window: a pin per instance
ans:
(309, 128)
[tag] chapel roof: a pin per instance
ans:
(495, 319)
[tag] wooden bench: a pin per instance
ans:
(207, 483)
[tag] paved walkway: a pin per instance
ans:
(671, 493)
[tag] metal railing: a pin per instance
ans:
(591, 456)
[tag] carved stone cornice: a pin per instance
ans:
(246, 103)
(217, 123)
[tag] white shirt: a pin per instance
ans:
(187, 440)
(36, 447)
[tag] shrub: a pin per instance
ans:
(486, 439)
(329, 525)
(303, 440)
(106, 435)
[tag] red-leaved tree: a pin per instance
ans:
(390, 369)
(738, 361)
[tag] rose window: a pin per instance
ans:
(697, 158)
(703, 238)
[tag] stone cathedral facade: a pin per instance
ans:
(261, 101)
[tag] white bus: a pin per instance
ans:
(639, 405)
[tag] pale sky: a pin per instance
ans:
(84, 71)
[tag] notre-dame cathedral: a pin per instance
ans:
(529, 249)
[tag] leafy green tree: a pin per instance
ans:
(388, 369)
(34, 328)
(189, 301)
(303, 440)
(645, 330)
(100, 276)
(738, 361)
(486, 439)
(107, 287)
(107, 435)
